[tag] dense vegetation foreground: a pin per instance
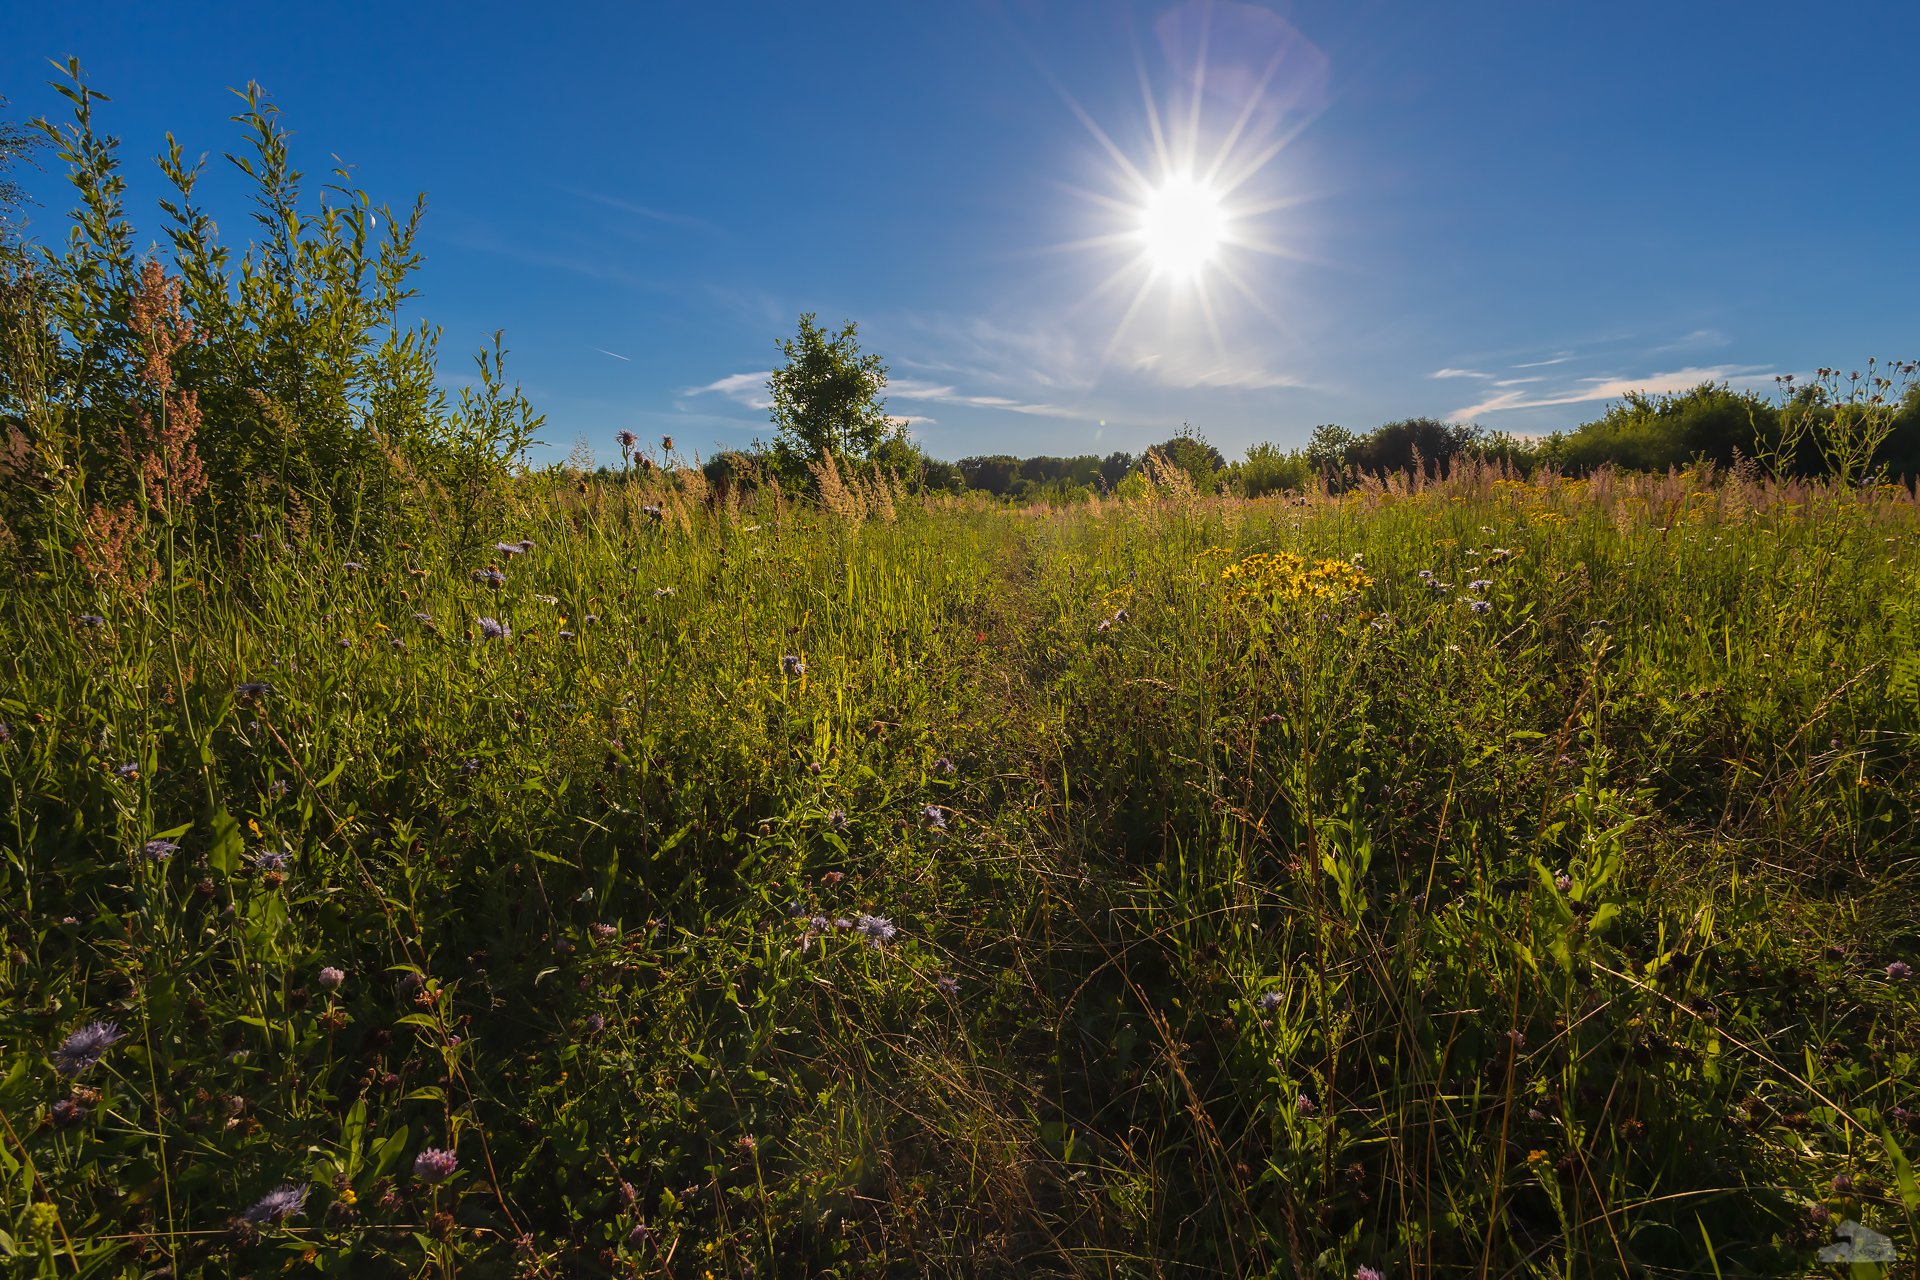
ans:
(1469, 878)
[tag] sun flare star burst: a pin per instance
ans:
(1183, 224)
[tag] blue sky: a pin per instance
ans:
(1505, 212)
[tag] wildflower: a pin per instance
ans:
(277, 1205)
(1426, 575)
(1271, 1000)
(422, 616)
(949, 986)
(272, 860)
(626, 439)
(605, 932)
(1439, 587)
(507, 549)
(331, 978)
(354, 566)
(546, 599)
(1899, 969)
(596, 1023)
(843, 924)
(89, 620)
(85, 1047)
(491, 576)
(819, 924)
(652, 512)
(945, 767)
(1367, 1273)
(837, 820)
(278, 787)
(470, 767)
(434, 1165)
(564, 634)
(791, 665)
(1480, 584)
(252, 689)
(492, 629)
(67, 1112)
(1304, 1105)
(660, 592)
(1563, 882)
(934, 817)
(6, 734)
(160, 850)
(877, 929)
(1480, 606)
(525, 544)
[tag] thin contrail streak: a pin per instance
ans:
(615, 354)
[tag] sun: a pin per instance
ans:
(1183, 224)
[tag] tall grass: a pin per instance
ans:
(1236, 926)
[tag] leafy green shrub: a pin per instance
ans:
(281, 381)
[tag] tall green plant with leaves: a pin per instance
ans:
(316, 394)
(827, 397)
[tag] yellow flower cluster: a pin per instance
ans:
(1280, 575)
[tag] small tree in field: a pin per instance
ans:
(826, 398)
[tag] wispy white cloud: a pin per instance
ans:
(1186, 375)
(644, 211)
(1458, 373)
(1514, 382)
(1541, 364)
(749, 389)
(940, 393)
(1591, 389)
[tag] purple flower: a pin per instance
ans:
(6, 734)
(949, 986)
(67, 1112)
(1480, 584)
(277, 1205)
(435, 1165)
(493, 629)
(331, 978)
(1304, 1105)
(1563, 882)
(273, 860)
(1367, 1273)
(88, 620)
(354, 566)
(525, 544)
(470, 767)
(652, 512)
(626, 439)
(508, 549)
(1272, 1000)
(1480, 606)
(876, 929)
(791, 665)
(837, 820)
(252, 689)
(1426, 575)
(422, 616)
(160, 850)
(490, 576)
(945, 767)
(1899, 969)
(934, 817)
(127, 772)
(85, 1047)
(595, 1024)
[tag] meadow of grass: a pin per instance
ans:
(1465, 878)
